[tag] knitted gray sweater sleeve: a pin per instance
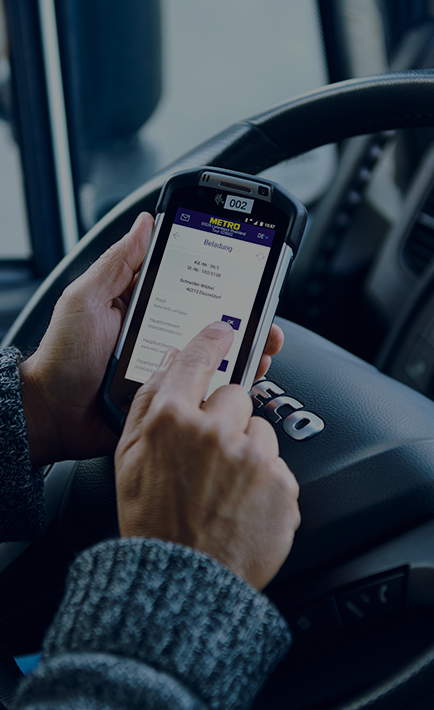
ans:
(148, 624)
(22, 511)
(144, 624)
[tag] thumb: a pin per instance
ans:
(114, 271)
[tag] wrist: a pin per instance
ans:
(181, 612)
(22, 510)
(42, 433)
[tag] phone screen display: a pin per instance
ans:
(211, 269)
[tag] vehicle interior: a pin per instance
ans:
(86, 109)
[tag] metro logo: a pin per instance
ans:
(224, 223)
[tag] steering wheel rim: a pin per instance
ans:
(335, 112)
(326, 115)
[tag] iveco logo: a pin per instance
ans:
(299, 425)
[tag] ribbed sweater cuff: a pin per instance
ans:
(22, 509)
(176, 610)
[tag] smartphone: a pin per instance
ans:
(222, 245)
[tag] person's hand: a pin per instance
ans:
(61, 381)
(205, 474)
(273, 346)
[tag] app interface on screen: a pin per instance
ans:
(211, 270)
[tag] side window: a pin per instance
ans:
(146, 81)
(226, 61)
(97, 97)
(17, 277)
(111, 60)
(14, 235)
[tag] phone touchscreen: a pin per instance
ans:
(211, 269)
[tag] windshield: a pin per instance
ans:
(226, 61)
(95, 98)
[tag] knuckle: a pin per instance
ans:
(109, 253)
(184, 427)
(286, 481)
(254, 457)
(72, 298)
(215, 436)
(196, 358)
(267, 429)
(70, 291)
(290, 479)
(169, 416)
(241, 394)
(264, 436)
(142, 399)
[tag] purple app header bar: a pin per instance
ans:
(222, 227)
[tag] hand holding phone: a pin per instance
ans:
(222, 245)
(205, 474)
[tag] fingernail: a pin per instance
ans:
(135, 221)
(220, 325)
(138, 219)
(167, 359)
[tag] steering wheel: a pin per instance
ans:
(358, 586)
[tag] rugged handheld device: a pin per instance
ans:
(222, 245)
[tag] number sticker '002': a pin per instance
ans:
(239, 204)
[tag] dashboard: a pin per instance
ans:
(363, 277)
